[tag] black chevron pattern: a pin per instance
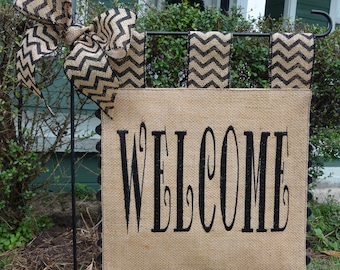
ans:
(131, 71)
(209, 59)
(114, 27)
(91, 65)
(292, 58)
(55, 12)
(89, 70)
(123, 25)
(38, 41)
(87, 66)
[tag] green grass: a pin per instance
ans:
(324, 263)
(5, 259)
(324, 234)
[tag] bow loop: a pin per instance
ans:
(87, 66)
(113, 31)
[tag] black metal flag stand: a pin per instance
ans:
(72, 109)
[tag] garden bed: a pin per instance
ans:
(53, 248)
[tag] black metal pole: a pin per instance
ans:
(73, 182)
(73, 174)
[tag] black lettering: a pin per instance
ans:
(278, 173)
(134, 173)
(223, 178)
(158, 172)
(201, 186)
(259, 180)
(180, 165)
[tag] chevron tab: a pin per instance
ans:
(209, 59)
(292, 58)
(131, 71)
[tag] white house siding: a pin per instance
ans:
(254, 8)
(329, 184)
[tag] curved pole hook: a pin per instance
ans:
(329, 20)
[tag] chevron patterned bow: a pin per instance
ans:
(87, 66)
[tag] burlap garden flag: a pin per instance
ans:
(205, 177)
(209, 178)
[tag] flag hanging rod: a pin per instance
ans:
(240, 34)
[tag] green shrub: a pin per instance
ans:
(197, 3)
(20, 164)
(18, 168)
(14, 234)
(84, 192)
(167, 55)
(325, 224)
(326, 82)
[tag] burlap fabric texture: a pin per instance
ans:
(209, 178)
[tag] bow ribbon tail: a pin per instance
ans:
(38, 41)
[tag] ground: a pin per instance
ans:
(53, 249)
